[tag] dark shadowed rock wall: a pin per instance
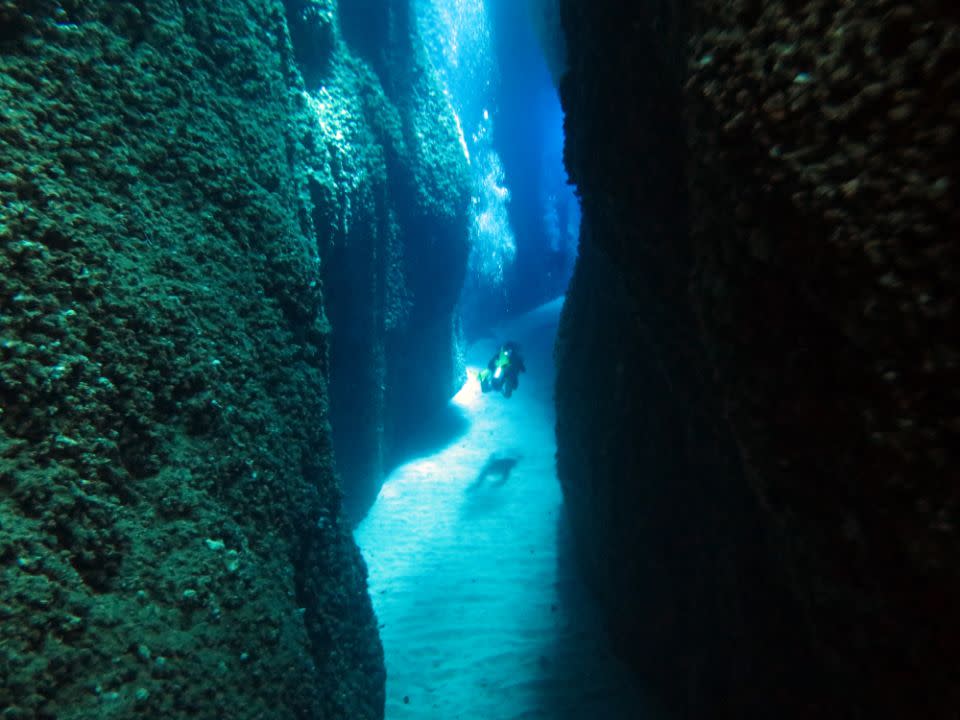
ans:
(390, 194)
(757, 364)
(171, 538)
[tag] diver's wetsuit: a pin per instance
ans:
(503, 370)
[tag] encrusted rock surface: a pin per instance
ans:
(769, 432)
(827, 281)
(171, 539)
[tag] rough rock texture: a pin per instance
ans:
(757, 390)
(389, 186)
(171, 540)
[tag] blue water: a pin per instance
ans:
(481, 611)
(525, 218)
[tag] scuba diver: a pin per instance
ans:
(503, 371)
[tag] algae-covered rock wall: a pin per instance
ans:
(171, 539)
(757, 405)
(389, 186)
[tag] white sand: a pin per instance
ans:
(481, 611)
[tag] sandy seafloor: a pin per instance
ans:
(481, 612)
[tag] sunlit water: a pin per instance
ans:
(480, 610)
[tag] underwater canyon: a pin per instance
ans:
(239, 279)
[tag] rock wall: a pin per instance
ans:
(390, 192)
(171, 538)
(757, 406)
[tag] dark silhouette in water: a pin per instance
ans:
(496, 467)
